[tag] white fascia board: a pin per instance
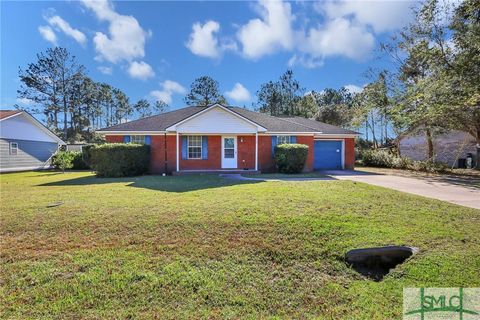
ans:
(11, 116)
(332, 136)
(288, 133)
(150, 133)
(174, 127)
(42, 127)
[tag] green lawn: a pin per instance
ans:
(205, 247)
(285, 175)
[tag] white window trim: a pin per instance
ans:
(137, 135)
(11, 148)
(188, 147)
(289, 139)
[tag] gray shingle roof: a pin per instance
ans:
(273, 124)
(158, 122)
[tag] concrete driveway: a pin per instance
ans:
(435, 188)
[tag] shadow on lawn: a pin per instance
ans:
(159, 183)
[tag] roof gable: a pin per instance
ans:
(5, 114)
(23, 126)
(263, 122)
(216, 119)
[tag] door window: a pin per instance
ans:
(229, 148)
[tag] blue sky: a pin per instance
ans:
(155, 49)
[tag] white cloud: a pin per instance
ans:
(140, 70)
(126, 38)
(382, 16)
(239, 93)
(64, 26)
(344, 28)
(203, 41)
(25, 101)
(168, 89)
(105, 70)
(353, 88)
(271, 33)
(48, 34)
(339, 37)
(305, 60)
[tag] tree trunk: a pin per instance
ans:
(375, 143)
(366, 130)
(428, 133)
(65, 119)
(478, 154)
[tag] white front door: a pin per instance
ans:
(229, 152)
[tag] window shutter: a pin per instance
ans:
(274, 144)
(293, 139)
(126, 139)
(148, 140)
(204, 147)
(184, 147)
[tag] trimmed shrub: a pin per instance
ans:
(86, 154)
(378, 158)
(429, 166)
(63, 160)
(290, 158)
(119, 159)
(78, 163)
(385, 159)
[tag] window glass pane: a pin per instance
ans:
(194, 144)
(13, 148)
(283, 139)
(229, 153)
(194, 141)
(137, 139)
(194, 152)
(229, 143)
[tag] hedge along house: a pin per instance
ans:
(25, 143)
(220, 138)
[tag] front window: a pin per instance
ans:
(283, 139)
(137, 139)
(13, 148)
(194, 144)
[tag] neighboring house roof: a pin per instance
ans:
(273, 124)
(8, 114)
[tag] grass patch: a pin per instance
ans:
(284, 175)
(207, 247)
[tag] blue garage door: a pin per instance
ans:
(327, 155)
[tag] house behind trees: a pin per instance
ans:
(25, 143)
(448, 147)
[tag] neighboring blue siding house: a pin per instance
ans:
(25, 143)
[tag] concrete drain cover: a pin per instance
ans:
(55, 204)
(375, 263)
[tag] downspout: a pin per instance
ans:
(165, 152)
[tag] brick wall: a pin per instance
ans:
(265, 158)
(246, 152)
(308, 140)
(114, 139)
(349, 144)
(212, 163)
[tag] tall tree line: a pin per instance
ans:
(73, 104)
(436, 85)
(286, 97)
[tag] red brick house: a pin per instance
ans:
(218, 138)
